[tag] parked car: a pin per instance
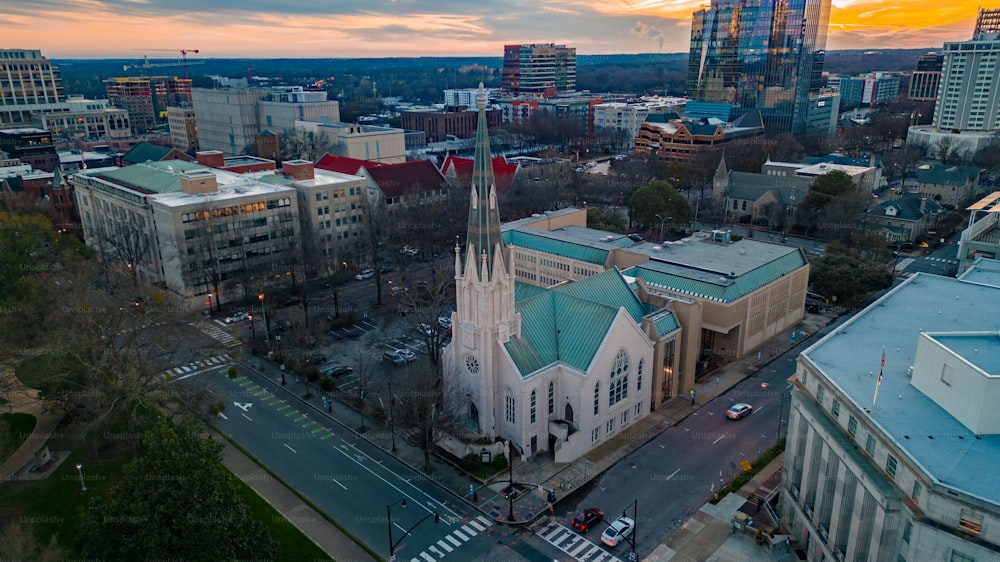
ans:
(427, 329)
(739, 411)
(316, 359)
(617, 531)
(410, 251)
(385, 269)
(290, 301)
(444, 321)
(282, 325)
(400, 356)
(365, 274)
(237, 317)
(337, 371)
(587, 519)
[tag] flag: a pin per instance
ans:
(879, 381)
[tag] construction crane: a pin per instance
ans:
(146, 65)
(183, 52)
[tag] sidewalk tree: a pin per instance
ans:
(175, 501)
(420, 411)
(658, 198)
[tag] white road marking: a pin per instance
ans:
(721, 437)
(290, 449)
(339, 484)
(673, 473)
(245, 416)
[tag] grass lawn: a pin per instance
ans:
(55, 506)
(32, 372)
(14, 430)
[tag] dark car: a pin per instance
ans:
(587, 519)
(316, 359)
(337, 371)
(290, 301)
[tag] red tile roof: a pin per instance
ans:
(344, 165)
(408, 177)
(461, 169)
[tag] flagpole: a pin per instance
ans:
(879, 380)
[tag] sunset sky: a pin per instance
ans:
(378, 28)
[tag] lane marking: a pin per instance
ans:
(721, 437)
(289, 448)
(673, 473)
(245, 416)
(339, 484)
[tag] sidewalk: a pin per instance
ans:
(25, 400)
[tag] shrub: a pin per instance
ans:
(499, 462)
(312, 373)
(327, 383)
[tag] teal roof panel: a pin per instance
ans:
(608, 288)
(579, 252)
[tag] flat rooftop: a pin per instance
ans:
(698, 253)
(850, 360)
(984, 271)
(979, 349)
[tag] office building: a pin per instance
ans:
(893, 431)
(283, 106)
(924, 81)
(543, 69)
(751, 56)
(30, 146)
(866, 90)
(620, 119)
(437, 124)
(29, 84)
(969, 96)
(386, 145)
(227, 119)
(682, 139)
(85, 120)
(183, 125)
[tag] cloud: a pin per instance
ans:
(643, 29)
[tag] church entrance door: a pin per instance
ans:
(569, 413)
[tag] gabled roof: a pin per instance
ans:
(568, 323)
(942, 174)
(744, 185)
(461, 170)
(345, 165)
(146, 152)
(908, 207)
(406, 177)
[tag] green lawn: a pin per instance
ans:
(54, 506)
(14, 430)
(32, 372)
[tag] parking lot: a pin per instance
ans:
(354, 330)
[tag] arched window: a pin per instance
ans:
(638, 376)
(552, 398)
(532, 406)
(597, 397)
(619, 379)
(744, 206)
(509, 400)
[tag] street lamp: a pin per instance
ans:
(510, 492)
(662, 220)
(388, 513)
(267, 333)
(83, 487)
(392, 418)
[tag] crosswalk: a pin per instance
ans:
(453, 540)
(943, 260)
(185, 371)
(574, 544)
(213, 331)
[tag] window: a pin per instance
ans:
(619, 379)
(610, 426)
(917, 490)
(597, 397)
(595, 435)
(638, 409)
(509, 399)
(820, 392)
(532, 406)
(624, 418)
(971, 522)
(638, 376)
(852, 426)
(552, 398)
(890, 466)
(836, 408)
(907, 529)
(959, 557)
(870, 445)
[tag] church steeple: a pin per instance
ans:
(484, 217)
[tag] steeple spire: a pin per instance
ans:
(484, 217)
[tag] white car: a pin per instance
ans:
(618, 531)
(237, 317)
(366, 274)
(400, 356)
(409, 251)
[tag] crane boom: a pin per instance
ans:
(183, 52)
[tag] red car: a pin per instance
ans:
(587, 518)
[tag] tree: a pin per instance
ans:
(835, 198)
(17, 542)
(848, 275)
(420, 411)
(376, 234)
(659, 198)
(175, 501)
(304, 145)
(606, 218)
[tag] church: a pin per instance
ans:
(558, 369)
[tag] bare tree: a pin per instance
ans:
(420, 411)
(366, 369)
(376, 233)
(304, 145)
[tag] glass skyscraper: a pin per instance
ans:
(763, 55)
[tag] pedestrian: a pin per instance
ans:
(324, 401)
(692, 396)
(788, 544)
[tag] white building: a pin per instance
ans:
(893, 432)
(386, 145)
(227, 119)
(623, 117)
(85, 119)
(467, 96)
(183, 124)
(191, 230)
(285, 106)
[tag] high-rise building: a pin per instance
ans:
(866, 90)
(29, 83)
(538, 68)
(969, 96)
(925, 79)
(227, 119)
(147, 97)
(183, 128)
(759, 56)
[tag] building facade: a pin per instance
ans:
(183, 126)
(454, 97)
(539, 69)
(282, 107)
(227, 119)
(386, 145)
(85, 120)
(969, 95)
(684, 139)
(891, 429)
(146, 98)
(767, 57)
(870, 89)
(438, 124)
(29, 84)
(982, 237)
(30, 146)
(925, 80)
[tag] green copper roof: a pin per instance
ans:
(150, 177)
(715, 287)
(484, 216)
(579, 252)
(524, 291)
(567, 324)
(664, 322)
